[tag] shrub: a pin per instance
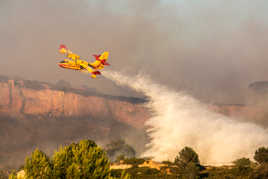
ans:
(261, 155)
(82, 160)
(242, 167)
(119, 147)
(188, 163)
(187, 155)
(38, 166)
(76, 161)
(242, 162)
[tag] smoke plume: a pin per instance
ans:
(179, 120)
(211, 48)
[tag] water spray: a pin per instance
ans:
(179, 120)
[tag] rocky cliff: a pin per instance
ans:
(23, 98)
(257, 113)
(33, 99)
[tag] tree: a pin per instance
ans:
(82, 160)
(242, 162)
(11, 176)
(38, 166)
(119, 147)
(187, 155)
(261, 155)
(188, 163)
(260, 172)
(242, 167)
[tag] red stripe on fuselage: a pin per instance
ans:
(74, 67)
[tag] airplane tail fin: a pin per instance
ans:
(96, 56)
(63, 49)
(102, 58)
(62, 46)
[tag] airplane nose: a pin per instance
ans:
(60, 64)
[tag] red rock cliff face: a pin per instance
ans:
(20, 98)
(254, 113)
(16, 99)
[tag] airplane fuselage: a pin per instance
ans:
(73, 64)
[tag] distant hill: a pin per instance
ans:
(259, 86)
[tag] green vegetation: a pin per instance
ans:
(87, 160)
(187, 155)
(188, 163)
(75, 161)
(261, 155)
(242, 167)
(82, 160)
(38, 165)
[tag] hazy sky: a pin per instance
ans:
(211, 48)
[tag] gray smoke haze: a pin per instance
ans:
(19, 137)
(210, 48)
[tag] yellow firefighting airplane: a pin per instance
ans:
(74, 62)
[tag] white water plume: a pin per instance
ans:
(179, 120)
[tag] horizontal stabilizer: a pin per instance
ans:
(105, 63)
(96, 56)
(96, 72)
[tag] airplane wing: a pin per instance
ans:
(69, 54)
(100, 61)
(93, 72)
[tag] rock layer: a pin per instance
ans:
(20, 98)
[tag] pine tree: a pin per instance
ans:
(38, 166)
(261, 155)
(82, 160)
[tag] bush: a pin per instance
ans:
(38, 166)
(242, 162)
(82, 160)
(261, 155)
(188, 163)
(261, 172)
(119, 174)
(119, 147)
(187, 155)
(76, 161)
(242, 167)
